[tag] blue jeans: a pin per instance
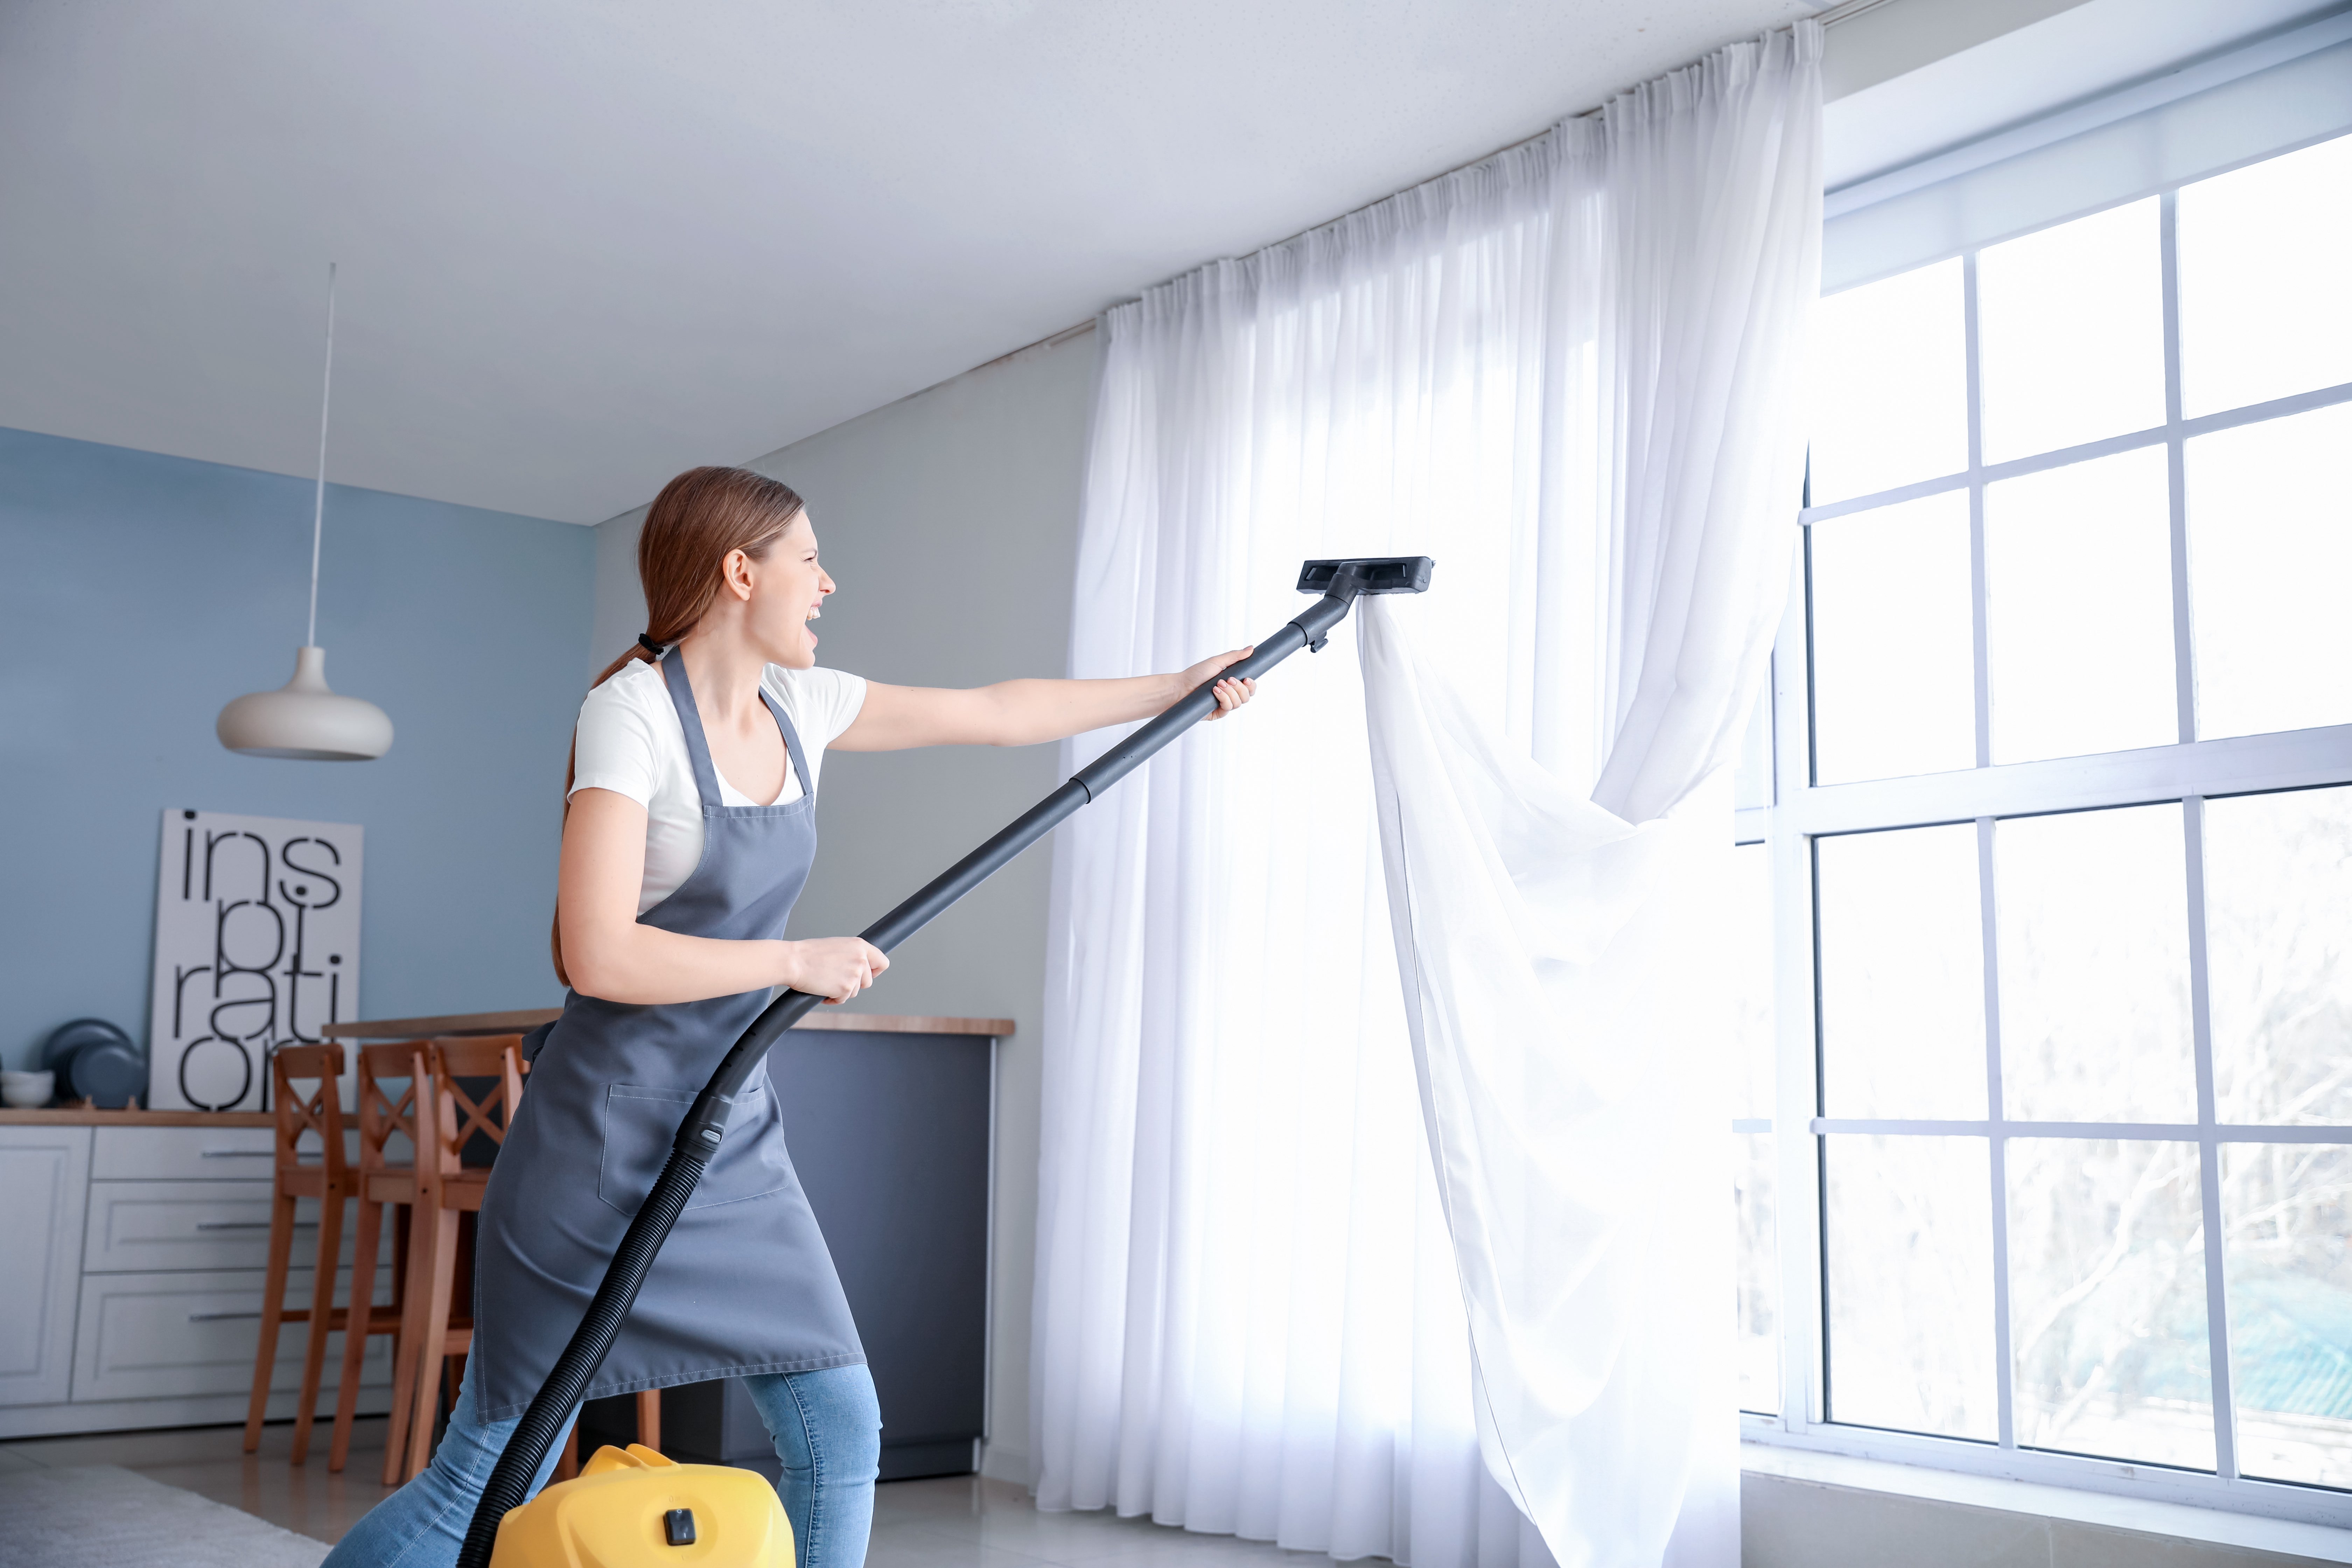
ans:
(828, 1432)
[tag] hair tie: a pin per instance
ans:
(645, 641)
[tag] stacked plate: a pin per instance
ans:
(95, 1061)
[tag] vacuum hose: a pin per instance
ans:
(705, 1127)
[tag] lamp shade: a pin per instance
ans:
(304, 721)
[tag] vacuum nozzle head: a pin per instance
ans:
(1368, 574)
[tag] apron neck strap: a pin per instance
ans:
(690, 717)
(792, 742)
(698, 745)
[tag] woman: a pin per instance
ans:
(689, 827)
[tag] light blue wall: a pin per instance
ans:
(139, 592)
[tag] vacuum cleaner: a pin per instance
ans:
(633, 1507)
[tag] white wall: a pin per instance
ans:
(950, 520)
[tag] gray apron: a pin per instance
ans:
(745, 1283)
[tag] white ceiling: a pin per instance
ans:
(587, 245)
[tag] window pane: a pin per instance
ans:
(1758, 1263)
(1752, 979)
(1891, 392)
(2070, 324)
(1909, 1239)
(1759, 1277)
(2263, 253)
(1902, 974)
(1893, 668)
(2091, 916)
(2270, 552)
(2278, 924)
(2286, 1209)
(2078, 609)
(1751, 780)
(2107, 1300)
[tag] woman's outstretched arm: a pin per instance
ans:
(1025, 712)
(607, 953)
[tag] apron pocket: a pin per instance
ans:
(640, 1122)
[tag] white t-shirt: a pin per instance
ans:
(630, 742)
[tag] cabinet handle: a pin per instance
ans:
(236, 1153)
(250, 1224)
(218, 1317)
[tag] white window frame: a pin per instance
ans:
(2190, 772)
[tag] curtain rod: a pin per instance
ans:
(1847, 12)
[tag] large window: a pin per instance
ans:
(2055, 869)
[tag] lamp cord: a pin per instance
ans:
(319, 501)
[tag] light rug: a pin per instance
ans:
(111, 1517)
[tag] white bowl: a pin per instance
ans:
(28, 1090)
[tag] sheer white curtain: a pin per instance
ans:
(1569, 373)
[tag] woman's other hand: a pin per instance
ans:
(835, 967)
(1230, 694)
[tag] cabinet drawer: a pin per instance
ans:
(143, 1227)
(180, 1153)
(157, 1336)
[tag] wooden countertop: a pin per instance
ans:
(87, 1116)
(463, 1024)
(525, 1018)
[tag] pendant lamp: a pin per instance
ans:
(303, 718)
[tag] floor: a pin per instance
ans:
(959, 1522)
(966, 1523)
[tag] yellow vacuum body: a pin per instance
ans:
(637, 1510)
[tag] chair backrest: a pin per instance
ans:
(460, 1114)
(316, 1110)
(385, 1112)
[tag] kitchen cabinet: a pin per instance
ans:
(44, 1190)
(136, 1243)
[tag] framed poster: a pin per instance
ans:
(256, 947)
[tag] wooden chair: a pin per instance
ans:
(296, 1173)
(447, 1187)
(385, 1184)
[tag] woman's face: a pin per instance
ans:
(782, 595)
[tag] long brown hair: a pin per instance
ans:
(700, 519)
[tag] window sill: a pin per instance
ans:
(2145, 1516)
